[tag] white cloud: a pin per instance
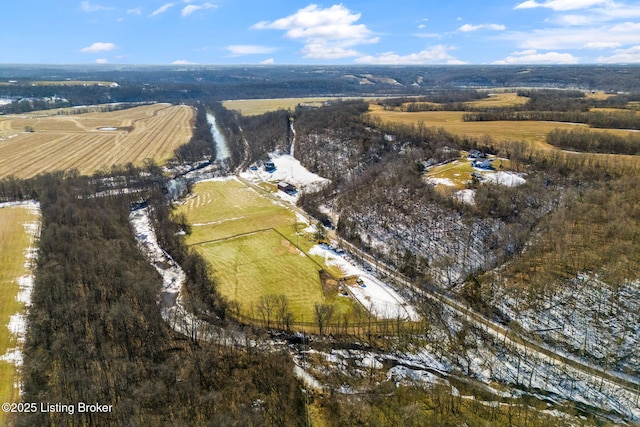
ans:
(136, 11)
(493, 27)
(626, 33)
(434, 55)
(188, 10)
(98, 47)
(183, 62)
(101, 61)
(162, 9)
(327, 33)
(268, 61)
(601, 45)
(562, 5)
(246, 49)
(532, 56)
(88, 7)
(629, 55)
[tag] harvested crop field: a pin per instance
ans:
(501, 132)
(16, 228)
(34, 143)
(254, 107)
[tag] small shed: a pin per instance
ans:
(286, 187)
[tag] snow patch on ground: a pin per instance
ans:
(441, 181)
(508, 179)
(466, 196)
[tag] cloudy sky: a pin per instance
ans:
(300, 32)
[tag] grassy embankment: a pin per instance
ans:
(256, 248)
(14, 241)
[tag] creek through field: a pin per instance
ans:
(222, 150)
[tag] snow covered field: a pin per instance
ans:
(290, 170)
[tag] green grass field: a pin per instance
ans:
(14, 241)
(265, 263)
(256, 248)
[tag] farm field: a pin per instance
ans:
(255, 107)
(503, 133)
(14, 241)
(91, 141)
(257, 248)
(505, 99)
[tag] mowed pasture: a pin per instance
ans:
(14, 241)
(256, 248)
(91, 141)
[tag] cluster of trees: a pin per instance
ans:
(201, 145)
(96, 335)
(593, 142)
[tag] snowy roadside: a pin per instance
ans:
(375, 295)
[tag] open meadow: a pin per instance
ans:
(15, 239)
(257, 248)
(33, 143)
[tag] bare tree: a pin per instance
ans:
(324, 313)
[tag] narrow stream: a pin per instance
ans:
(222, 149)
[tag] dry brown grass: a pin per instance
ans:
(255, 107)
(14, 240)
(532, 132)
(507, 99)
(75, 141)
(504, 133)
(599, 95)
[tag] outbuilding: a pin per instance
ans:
(286, 187)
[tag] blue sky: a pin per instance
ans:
(301, 32)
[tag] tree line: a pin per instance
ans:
(611, 120)
(593, 142)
